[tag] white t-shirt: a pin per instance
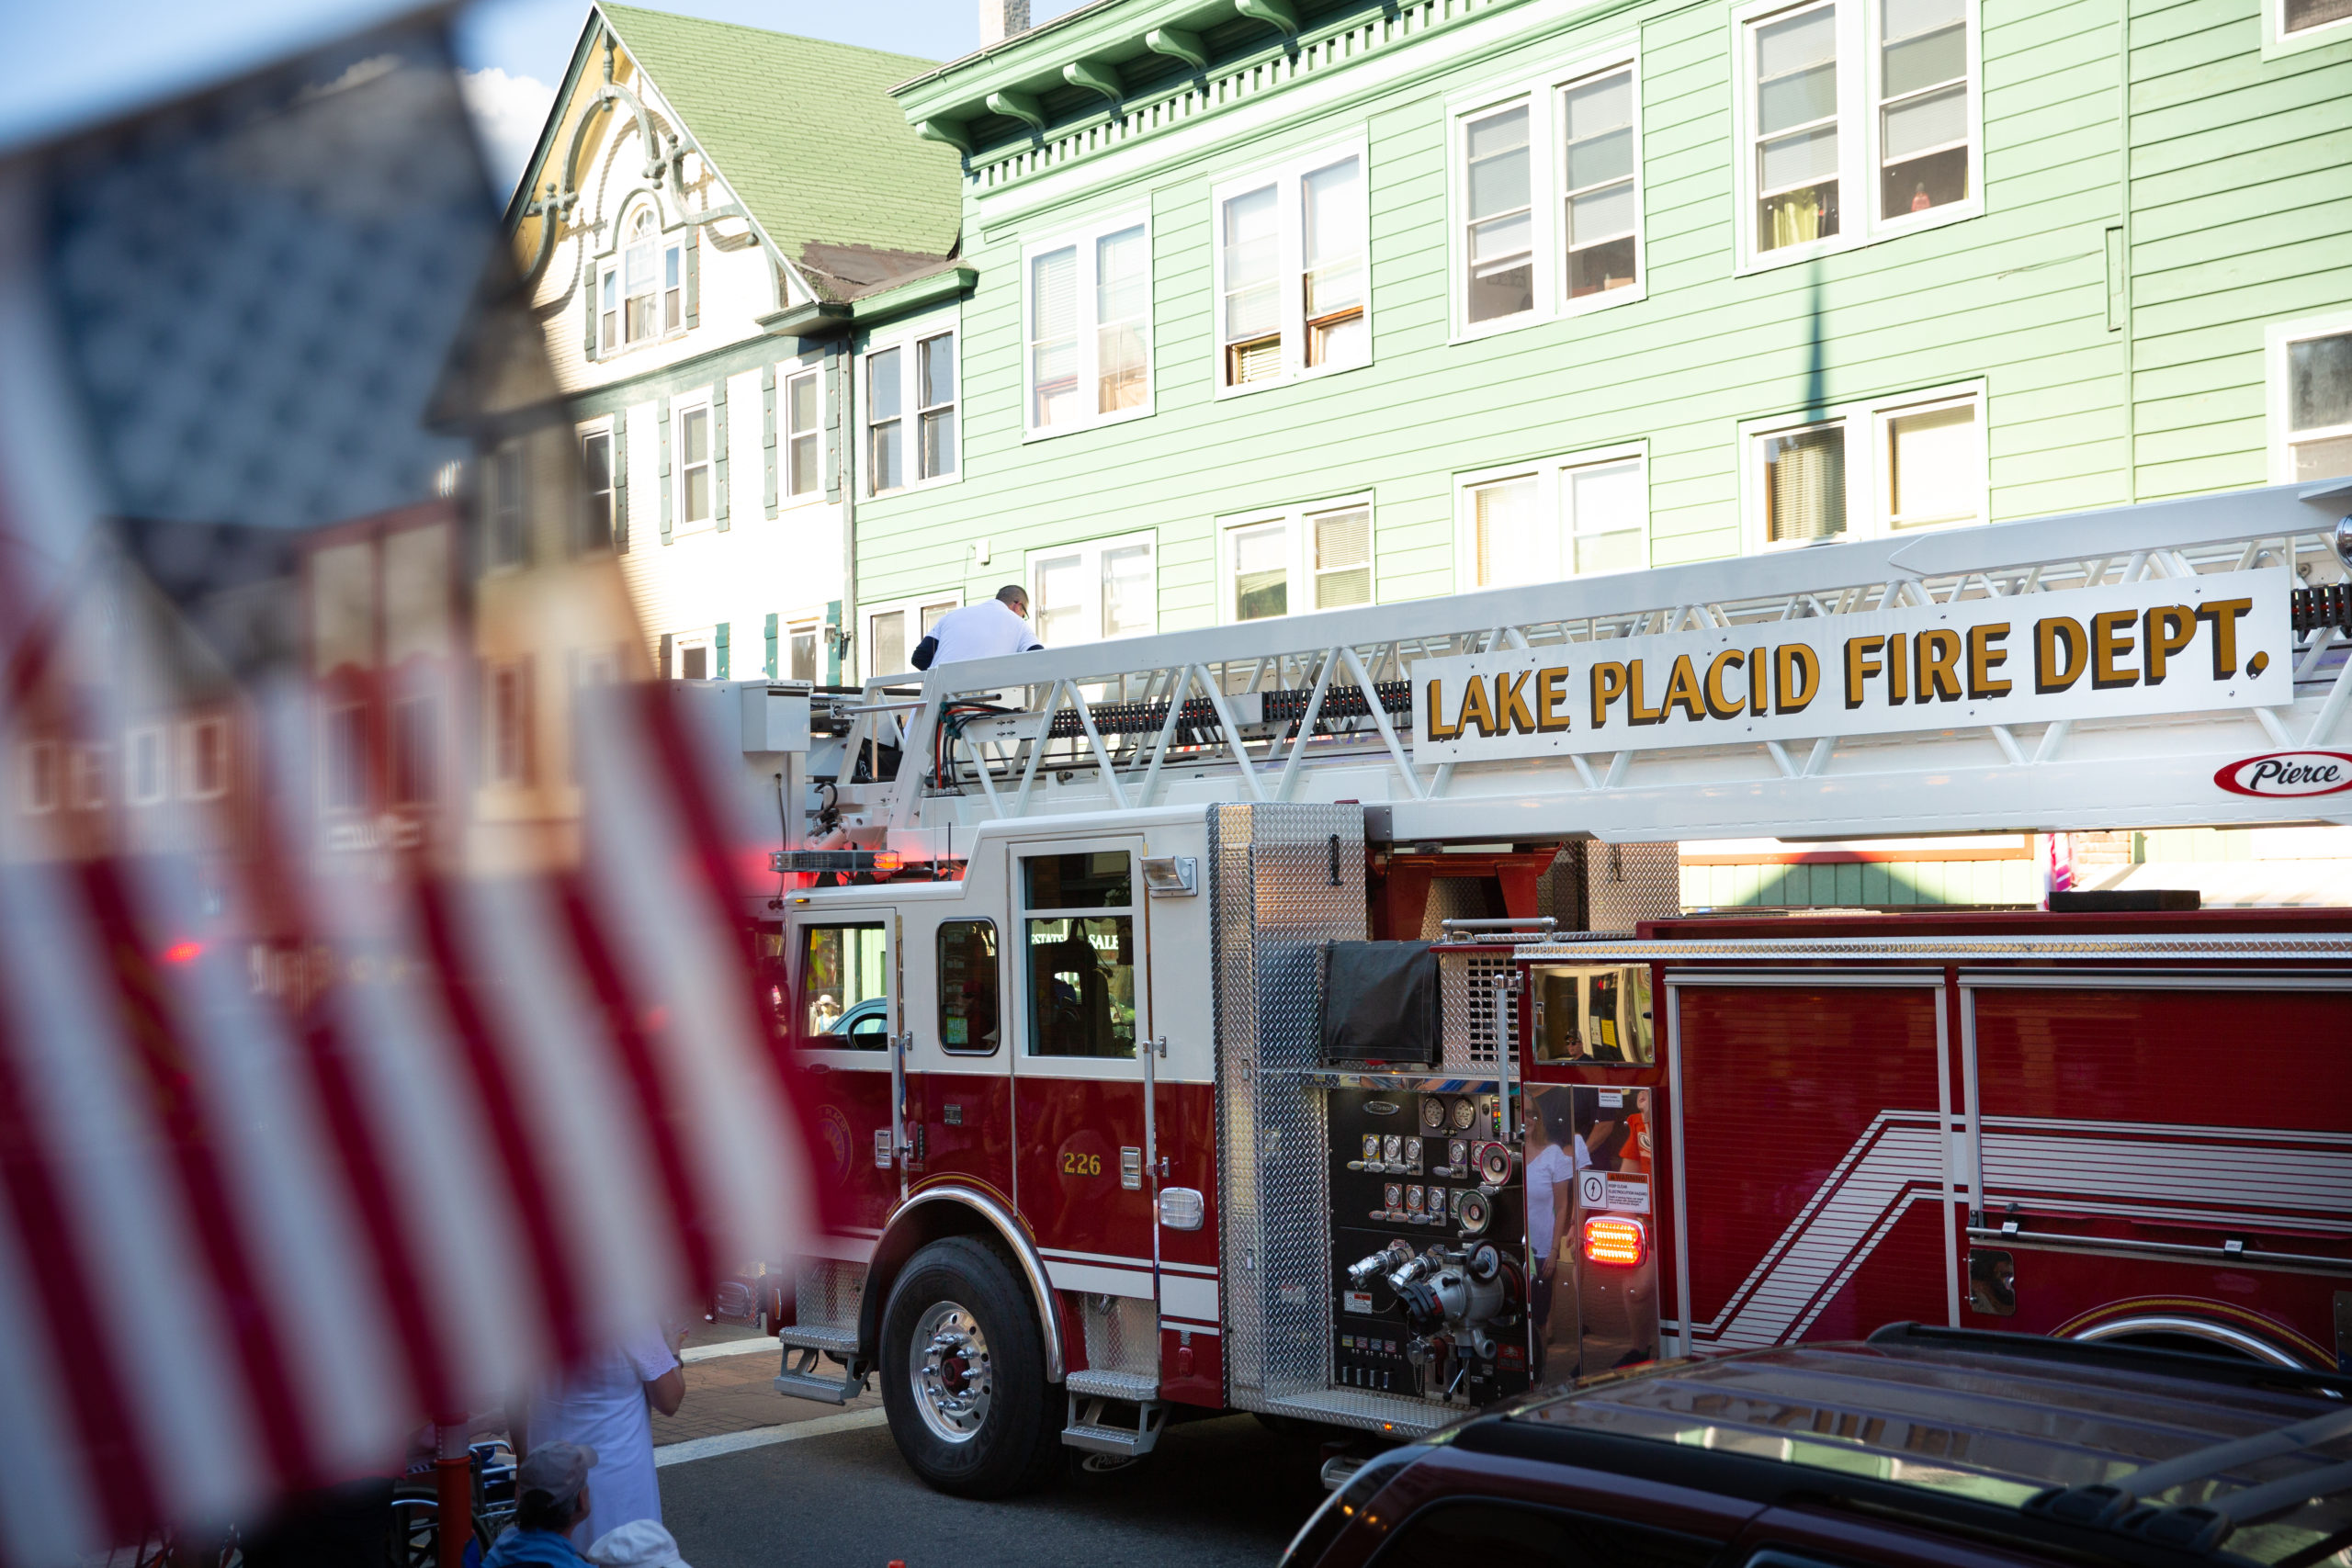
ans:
(985, 630)
(603, 1406)
(1550, 1167)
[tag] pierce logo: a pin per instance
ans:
(2289, 773)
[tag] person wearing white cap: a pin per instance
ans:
(641, 1543)
(551, 1496)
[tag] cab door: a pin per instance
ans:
(1082, 1025)
(847, 966)
(959, 1078)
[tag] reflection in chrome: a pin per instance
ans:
(950, 1371)
(2232, 1340)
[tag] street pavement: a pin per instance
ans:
(1215, 1493)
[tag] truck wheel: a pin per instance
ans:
(964, 1373)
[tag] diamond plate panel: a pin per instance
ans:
(1477, 1013)
(1626, 883)
(1275, 901)
(827, 1293)
(1122, 1336)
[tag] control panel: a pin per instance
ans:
(1427, 1240)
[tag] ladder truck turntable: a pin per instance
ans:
(1143, 1097)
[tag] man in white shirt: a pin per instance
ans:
(989, 629)
(606, 1405)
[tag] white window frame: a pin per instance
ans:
(1548, 473)
(613, 265)
(590, 432)
(786, 377)
(89, 767)
(1547, 157)
(1860, 33)
(495, 767)
(494, 505)
(1087, 243)
(909, 414)
(913, 606)
(2276, 339)
(2276, 40)
(680, 524)
(1867, 478)
(1300, 567)
(191, 731)
(1286, 177)
(1090, 553)
(787, 632)
(142, 735)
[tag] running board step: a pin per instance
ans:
(802, 1378)
(1093, 1428)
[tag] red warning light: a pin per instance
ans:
(889, 860)
(1610, 1238)
(184, 952)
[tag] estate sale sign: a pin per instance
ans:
(2177, 645)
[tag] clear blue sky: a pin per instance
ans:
(103, 59)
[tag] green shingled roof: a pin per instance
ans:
(805, 131)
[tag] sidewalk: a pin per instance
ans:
(727, 1394)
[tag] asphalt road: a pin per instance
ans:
(1215, 1493)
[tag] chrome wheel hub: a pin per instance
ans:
(950, 1370)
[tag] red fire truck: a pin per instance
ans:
(1296, 1017)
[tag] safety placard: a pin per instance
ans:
(2172, 645)
(1607, 1193)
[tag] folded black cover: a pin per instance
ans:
(1380, 1003)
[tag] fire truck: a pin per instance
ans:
(1297, 1017)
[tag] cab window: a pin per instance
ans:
(1593, 1014)
(845, 986)
(968, 987)
(1078, 928)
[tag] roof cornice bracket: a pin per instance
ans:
(951, 131)
(1274, 13)
(1095, 76)
(1179, 44)
(1020, 107)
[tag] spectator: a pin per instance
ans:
(641, 1543)
(552, 1496)
(604, 1405)
(989, 629)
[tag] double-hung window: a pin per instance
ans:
(509, 519)
(800, 660)
(1859, 120)
(2310, 400)
(1295, 560)
(1547, 195)
(1566, 516)
(2293, 21)
(1102, 588)
(694, 473)
(1292, 278)
(596, 491)
(910, 413)
(804, 436)
(645, 299)
(1088, 315)
(1867, 470)
(893, 630)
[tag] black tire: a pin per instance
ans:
(1015, 1440)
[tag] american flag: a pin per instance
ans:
(377, 1030)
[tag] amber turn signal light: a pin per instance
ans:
(1610, 1238)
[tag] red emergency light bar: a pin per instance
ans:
(835, 861)
(1613, 1239)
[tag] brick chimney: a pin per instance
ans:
(1001, 20)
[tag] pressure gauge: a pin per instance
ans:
(1371, 1147)
(1395, 1193)
(1392, 1147)
(1432, 1112)
(1466, 1111)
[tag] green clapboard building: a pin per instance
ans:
(1286, 304)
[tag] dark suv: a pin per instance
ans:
(1949, 1447)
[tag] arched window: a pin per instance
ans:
(646, 298)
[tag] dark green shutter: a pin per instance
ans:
(669, 643)
(718, 641)
(589, 345)
(833, 643)
(620, 480)
(837, 371)
(661, 412)
(718, 454)
(772, 663)
(694, 275)
(767, 442)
